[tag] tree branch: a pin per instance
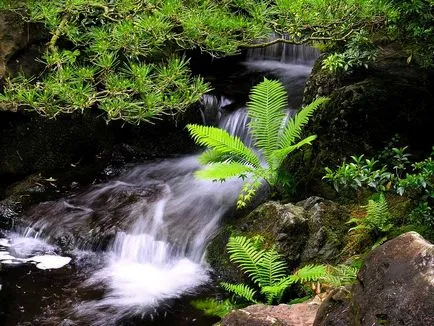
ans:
(299, 42)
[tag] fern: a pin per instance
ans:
(227, 153)
(309, 273)
(222, 171)
(267, 270)
(241, 290)
(266, 111)
(222, 142)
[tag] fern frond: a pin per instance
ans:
(222, 142)
(378, 213)
(241, 290)
(248, 191)
(213, 156)
(280, 154)
(340, 275)
(223, 171)
(293, 129)
(309, 273)
(272, 268)
(266, 111)
(273, 292)
(244, 252)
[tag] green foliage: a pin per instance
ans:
(213, 307)
(228, 157)
(360, 173)
(268, 272)
(377, 217)
(374, 226)
(399, 175)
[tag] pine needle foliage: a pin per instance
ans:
(274, 139)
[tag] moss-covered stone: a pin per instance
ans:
(312, 231)
(366, 109)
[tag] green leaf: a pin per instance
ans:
(266, 111)
(225, 170)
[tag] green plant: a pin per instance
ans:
(268, 272)
(228, 157)
(375, 224)
(360, 173)
(213, 307)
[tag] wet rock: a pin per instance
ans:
(327, 230)
(94, 224)
(396, 284)
(302, 314)
(312, 231)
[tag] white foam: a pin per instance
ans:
(49, 261)
(4, 242)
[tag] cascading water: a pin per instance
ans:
(140, 240)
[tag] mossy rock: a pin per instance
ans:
(312, 231)
(366, 109)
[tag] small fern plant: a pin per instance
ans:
(228, 157)
(268, 272)
(375, 225)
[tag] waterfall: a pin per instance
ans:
(146, 231)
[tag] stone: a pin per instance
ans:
(396, 284)
(302, 314)
(311, 231)
(334, 309)
(367, 108)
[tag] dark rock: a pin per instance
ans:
(90, 223)
(302, 314)
(396, 284)
(19, 44)
(313, 231)
(366, 109)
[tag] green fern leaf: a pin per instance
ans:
(266, 111)
(280, 154)
(249, 190)
(243, 251)
(271, 268)
(241, 290)
(213, 156)
(309, 273)
(222, 142)
(293, 129)
(222, 171)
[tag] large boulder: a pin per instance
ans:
(311, 231)
(302, 314)
(395, 286)
(366, 109)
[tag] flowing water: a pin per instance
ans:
(134, 245)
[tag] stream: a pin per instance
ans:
(131, 251)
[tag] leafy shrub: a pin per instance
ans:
(229, 157)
